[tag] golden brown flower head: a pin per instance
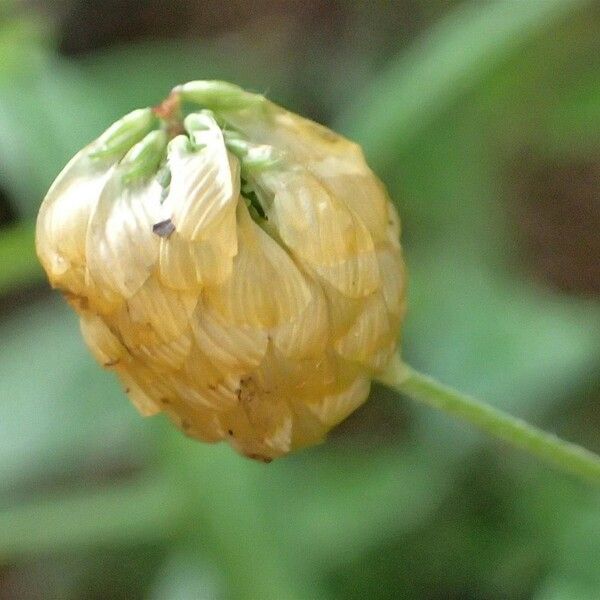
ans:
(239, 270)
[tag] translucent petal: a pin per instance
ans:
(355, 277)
(393, 273)
(321, 230)
(201, 397)
(205, 181)
(196, 421)
(168, 356)
(303, 139)
(64, 216)
(334, 408)
(177, 267)
(218, 389)
(143, 387)
(308, 334)
(265, 289)
(139, 398)
(155, 315)
(260, 428)
(186, 264)
(230, 348)
(102, 342)
(121, 246)
(354, 183)
(368, 334)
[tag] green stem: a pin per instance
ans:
(569, 457)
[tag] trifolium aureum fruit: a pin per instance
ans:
(238, 268)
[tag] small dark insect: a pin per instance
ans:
(164, 228)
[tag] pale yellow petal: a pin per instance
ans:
(63, 219)
(322, 231)
(195, 421)
(155, 315)
(142, 386)
(121, 247)
(368, 334)
(265, 289)
(334, 408)
(106, 348)
(186, 264)
(230, 348)
(205, 181)
(177, 266)
(391, 266)
(354, 183)
(303, 139)
(307, 335)
(167, 356)
(261, 428)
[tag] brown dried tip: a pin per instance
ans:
(169, 110)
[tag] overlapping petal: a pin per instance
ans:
(250, 289)
(323, 232)
(265, 288)
(121, 248)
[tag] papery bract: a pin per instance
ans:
(240, 271)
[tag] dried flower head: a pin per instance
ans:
(239, 269)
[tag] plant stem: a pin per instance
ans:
(569, 457)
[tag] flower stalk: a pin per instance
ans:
(569, 457)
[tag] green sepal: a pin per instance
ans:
(123, 134)
(145, 157)
(218, 95)
(253, 157)
(164, 177)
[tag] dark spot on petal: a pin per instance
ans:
(112, 362)
(230, 431)
(163, 229)
(127, 390)
(165, 401)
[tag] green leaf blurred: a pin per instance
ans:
(20, 265)
(66, 412)
(446, 101)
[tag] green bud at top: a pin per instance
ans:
(197, 124)
(123, 134)
(218, 95)
(143, 159)
(253, 157)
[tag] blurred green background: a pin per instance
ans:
(483, 118)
